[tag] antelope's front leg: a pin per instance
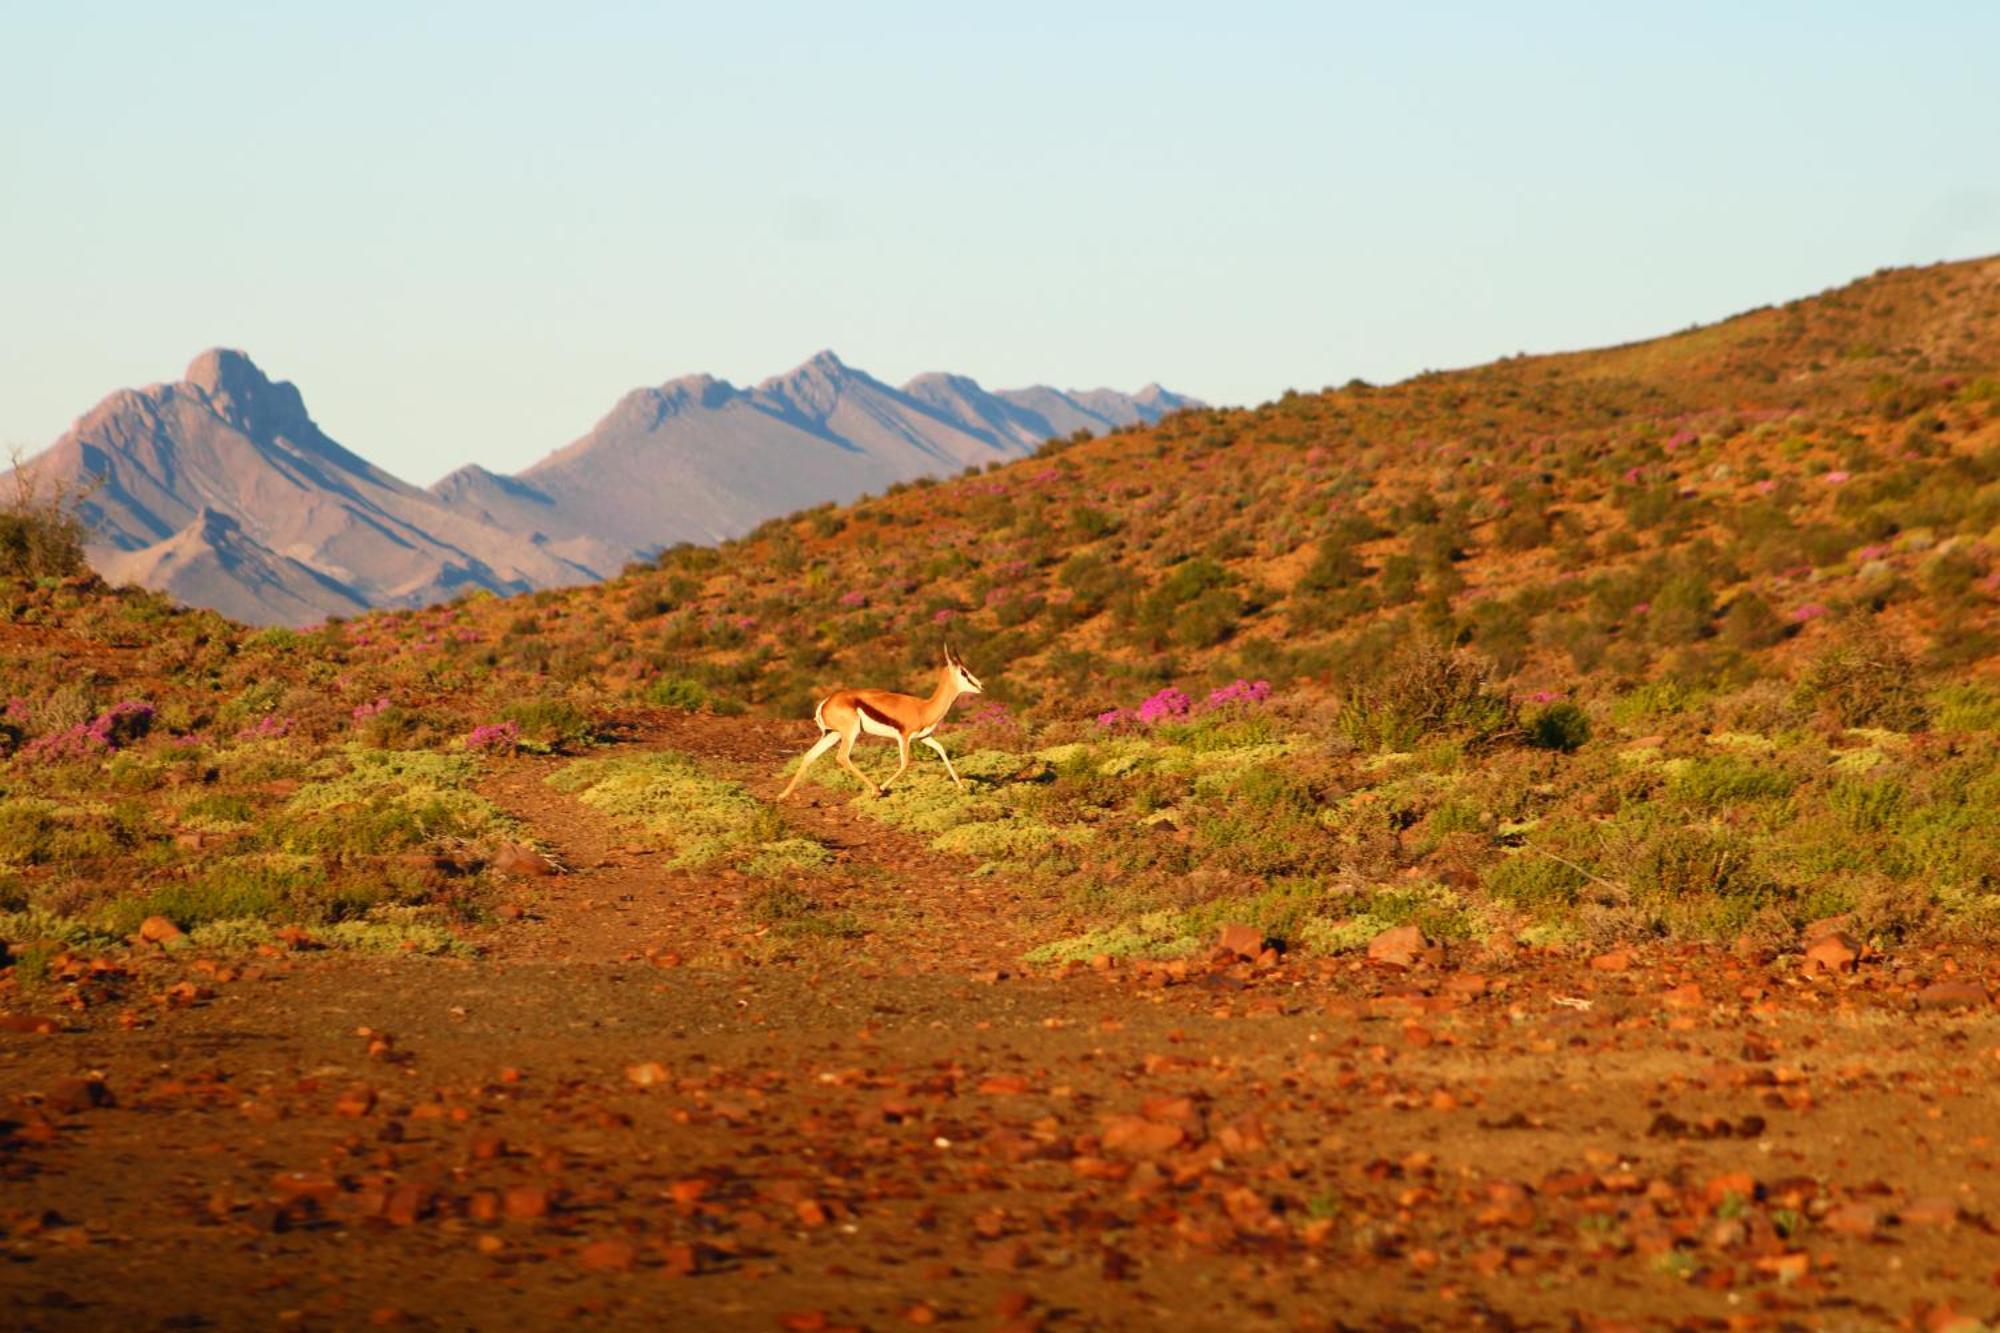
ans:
(903, 752)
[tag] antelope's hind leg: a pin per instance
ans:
(826, 742)
(842, 757)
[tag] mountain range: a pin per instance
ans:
(221, 490)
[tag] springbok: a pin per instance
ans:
(845, 714)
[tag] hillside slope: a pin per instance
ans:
(1705, 506)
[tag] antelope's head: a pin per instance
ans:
(967, 682)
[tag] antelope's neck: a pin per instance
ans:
(941, 700)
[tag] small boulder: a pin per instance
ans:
(71, 1095)
(1399, 946)
(1952, 995)
(1833, 951)
(1243, 941)
(161, 931)
(515, 858)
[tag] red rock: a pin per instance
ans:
(1934, 1211)
(1003, 1085)
(803, 1321)
(1853, 1219)
(682, 1259)
(1243, 941)
(356, 1102)
(405, 1204)
(1684, 997)
(1834, 951)
(1616, 961)
(1740, 1183)
(1399, 946)
(1136, 1136)
(39, 1024)
(483, 1206)
(608, 1256)
(161, 931)
(1952, 995)
(486, 1147)
(315, 1185)
(1012, 1304)
(515, 858)
(650, 1074)
(526, 1202)
(920, 1314)
(71, 1095)
(1005, 1256)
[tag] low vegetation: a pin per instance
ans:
(1693, 638)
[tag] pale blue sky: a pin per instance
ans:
(465, 229)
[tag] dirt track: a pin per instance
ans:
(638, 1108)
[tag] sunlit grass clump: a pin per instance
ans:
(703, 820)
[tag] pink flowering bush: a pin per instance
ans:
(1238, 691)
(1165, 706)
(495, 738)
(362, 712)
(105, 734)
(268, 728)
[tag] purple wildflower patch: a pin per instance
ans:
(499, 737)
(1239, 691)
(110, 731)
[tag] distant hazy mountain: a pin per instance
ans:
(220, 489)
(700, 460)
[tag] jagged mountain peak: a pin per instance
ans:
(245, 396)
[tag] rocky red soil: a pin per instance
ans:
(641, 1107)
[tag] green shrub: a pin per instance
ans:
(1429, 688)
(41, 533)
(1560, 726)
(677, 692)
(1866, 680)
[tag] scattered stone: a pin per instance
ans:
(1853, 1219)
(356, 1102)
(38, 1024)
(526, 1202)
(161, 931)
(1137, 1136)
(1952, 995)
(71, 1095)
(515, 858)
(1833, 951)
(1934, 1211)
(1399, 946)
(608, 1256)
(1684, 997)
(650, 1074)
(1243, 941)
(1618, 960)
